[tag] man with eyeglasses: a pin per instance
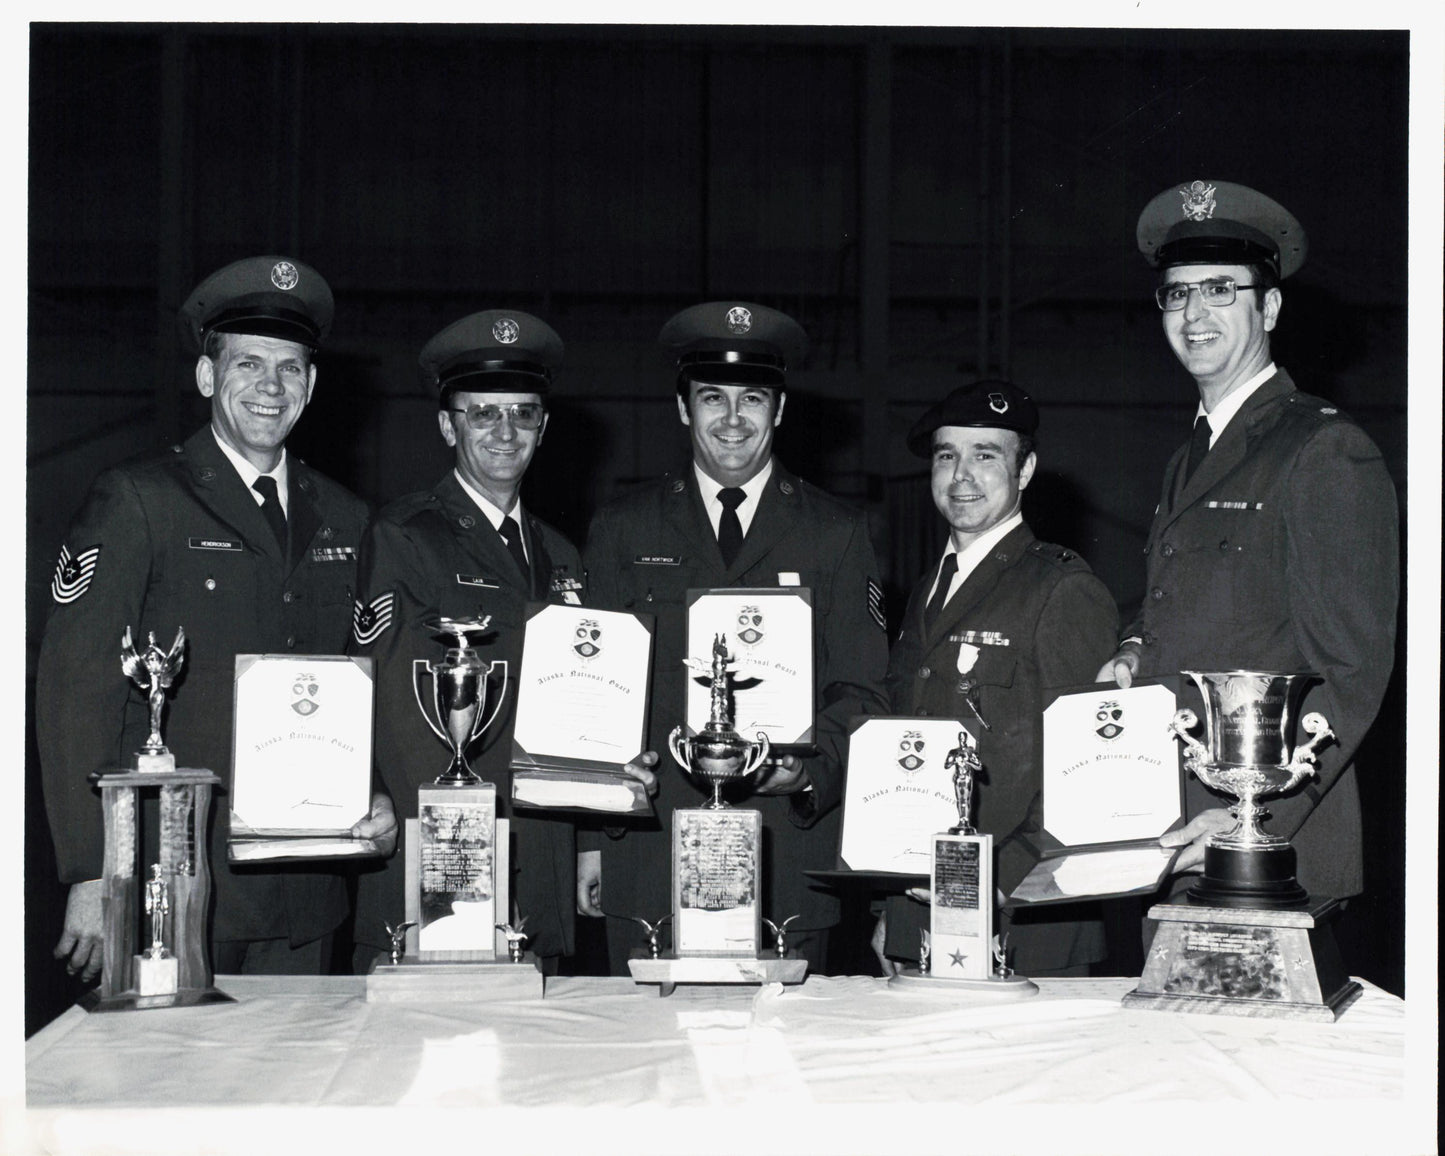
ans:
(466, 548)
(737, 517)
(1275, 542)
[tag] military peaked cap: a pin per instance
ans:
(268, 296)
(1219, 223)
(734, 343)
(988, 404)
(495, 351)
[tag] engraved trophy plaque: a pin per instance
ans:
(1249, 940)
(458, 940)
(173, 970)
(716, 855)
(960, 942)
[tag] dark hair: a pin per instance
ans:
(1264, 278)
(1027, 442)
(214, 343)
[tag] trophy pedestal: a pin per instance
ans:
(157, 976)
(416, 981)
(669, 971)
(1245, 961)
(150, 764)
(1002, 989)
(1249, 877)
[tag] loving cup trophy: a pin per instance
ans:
(458, 711)
(717, 754)
(1249, 717)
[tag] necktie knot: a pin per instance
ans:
(732, 497)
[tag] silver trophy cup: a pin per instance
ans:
(458, 694)
(1249, 718)
(717, 754)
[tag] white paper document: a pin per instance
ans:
(900, 792)
(1085, 874)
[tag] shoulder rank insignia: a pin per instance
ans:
(369, 620)
(875, 604)
(73, 573)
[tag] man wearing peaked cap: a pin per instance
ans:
(467, 548)
(997, 621)
(251, 551)
(1275, 542)
(737, 517)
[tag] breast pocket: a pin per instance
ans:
(1211, 559)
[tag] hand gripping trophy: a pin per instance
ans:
(153, 671)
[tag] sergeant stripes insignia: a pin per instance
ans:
(369, 620)
(73, 574)
(875, 604)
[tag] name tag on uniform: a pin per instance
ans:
(788, 578)
(214, 544)
(980, 637)
(333, 554)
(478, 580)
(1234, 505)
(657, 560)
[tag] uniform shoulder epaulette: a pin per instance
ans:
(1314, 409)
(1058, 555)
(408, 506)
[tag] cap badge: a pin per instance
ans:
(739, 320)
(1198, 201)
(284, 275)
(505, 331)
(998, 403)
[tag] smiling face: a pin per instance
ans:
(1221, 347)
(258, 387)
(977, 481)
(732, 428)
(492, 460)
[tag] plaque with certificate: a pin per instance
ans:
(1111, 786)
(900, 792)
(300, 756)
(581, 715)
(769, 633)
(717, 881)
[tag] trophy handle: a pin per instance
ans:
(1183, 721)
(419, 666)
(501, 698)
(1303, 764)
(677, 744)
(757, 760)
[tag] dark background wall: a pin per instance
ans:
(932, 204)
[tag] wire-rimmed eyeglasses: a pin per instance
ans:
(522, 414)
(1216, 292)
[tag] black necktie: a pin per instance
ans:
(1198, 447)
(729, 528)
(512, 535)
(265, 485)
(940, 594)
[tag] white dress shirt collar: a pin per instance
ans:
(1224, 412)
(752, 489)
(250, 473)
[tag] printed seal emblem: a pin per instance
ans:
(588, 634)
(910, 751)
(505, 331)
(1109, 716)
(1198, 201)
(306, 690)
(750, 626)
(284, 275)
(739, 320)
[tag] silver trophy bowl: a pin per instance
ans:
(458, 694)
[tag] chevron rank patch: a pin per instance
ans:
(875, 604)
(369, 620)
(73, 573)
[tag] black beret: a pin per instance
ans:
(268, 296)
(734, 343)
(495, 351)
(987, 404)
(1219, 223)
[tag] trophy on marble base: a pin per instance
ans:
(716, 856)
(173, 970)
(959, 948)
(1250, 940)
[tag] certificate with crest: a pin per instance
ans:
(1112, 785)
(582, 695)
(768, 634)
(900, 792)
(300, 756)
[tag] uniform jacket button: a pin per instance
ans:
(287, 597)
(924, 672)
(291, 642)
(1167, 550)
(1156, 594)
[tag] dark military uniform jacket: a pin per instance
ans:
(1282, 553)
(1039, 619)
(172, 540)
(434, 553)
(644, 552)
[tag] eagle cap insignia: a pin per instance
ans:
(739, 320)
(998, 403)
(284, 275)
(505, 330)
(1198, 201)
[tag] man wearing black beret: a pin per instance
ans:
(251, 551)
(737, 517)
(466, 548)
(1001, 618)
(1275, 544)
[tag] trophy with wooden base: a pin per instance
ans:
(1249, 941)
(958, 950)
(458, 940)
(717, 860)
(172, 970)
